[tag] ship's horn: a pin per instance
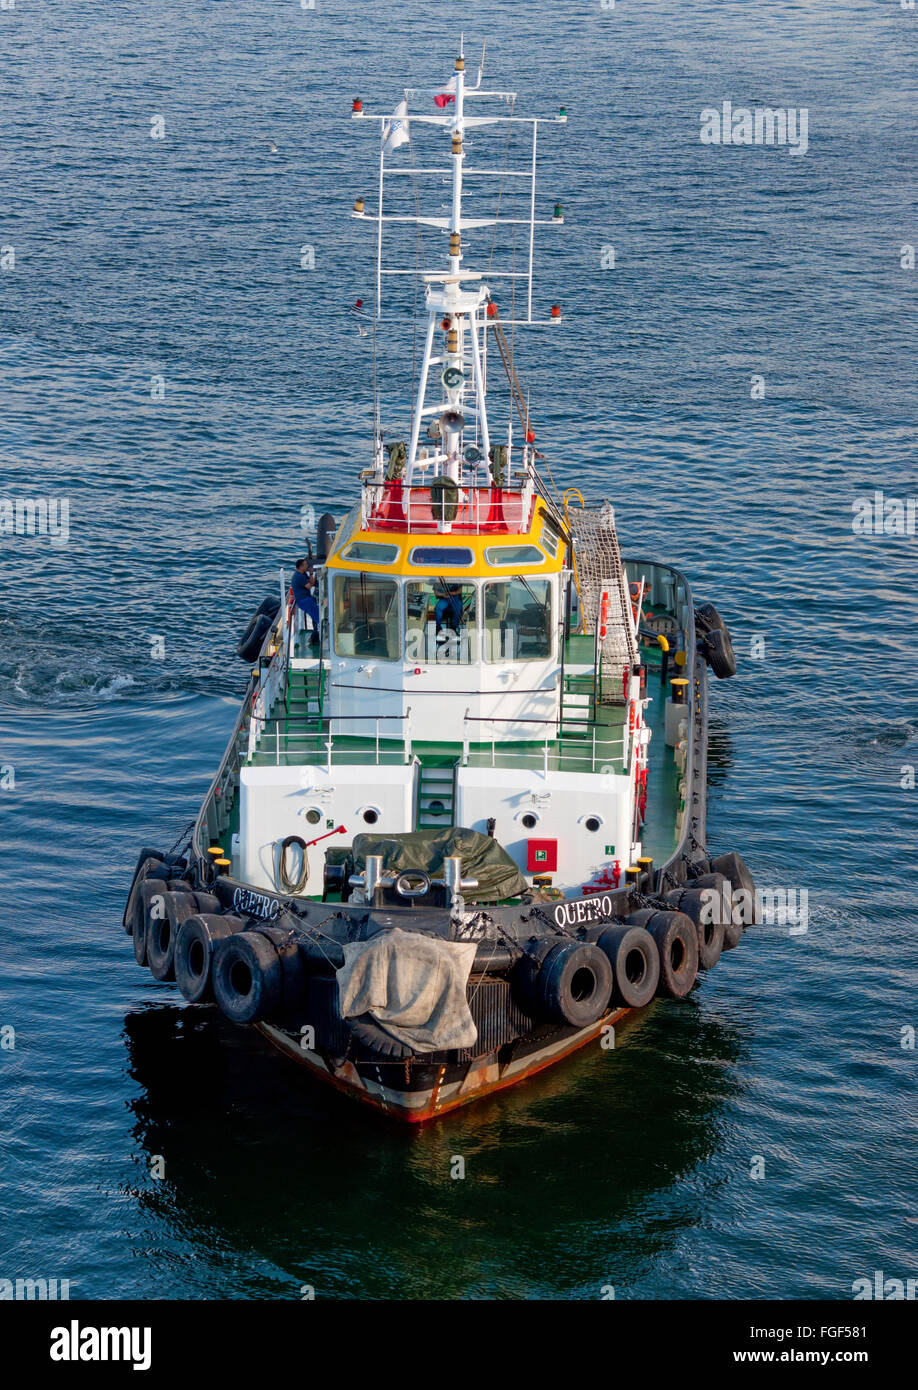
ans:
(452, 421)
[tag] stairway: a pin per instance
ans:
(294, 724)
(576, 707)
(303, 703)
(436, 800)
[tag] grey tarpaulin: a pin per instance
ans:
(412, 985)
(482, 858)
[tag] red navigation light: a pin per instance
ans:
(492, 310)
(556, 311)
(358, 104)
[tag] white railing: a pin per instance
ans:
(565, 753)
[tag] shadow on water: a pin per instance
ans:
(720, 751)
(561, 1172)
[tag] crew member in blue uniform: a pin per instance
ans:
(303, 586)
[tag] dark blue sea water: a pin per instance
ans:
(180, 257)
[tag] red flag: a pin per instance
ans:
(444, 99)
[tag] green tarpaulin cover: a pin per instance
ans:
(482, 858)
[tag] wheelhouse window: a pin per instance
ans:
(366, 616)
(517, 619)
(371, 553)
(514, 555)
(441, 621)
(436, 555)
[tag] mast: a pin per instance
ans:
(457, 439)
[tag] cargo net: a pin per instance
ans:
(599, 565)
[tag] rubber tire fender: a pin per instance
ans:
(556, 993)
(194, 951)
(253, 639)
(709, 928)
(736, 870)
(717, 650)
(269, 607)
(634, 980)
(707, 619)
(493, 958)
(147, 861)
(248, 977)
(325, 536)
(373, 1036)
(286, 944)
(150, 889)
(162, 933)
(207, 902)
(733, 930)
(677, 946)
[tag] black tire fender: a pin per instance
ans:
(572, 986)
(325, 536)
(152, 901)
(253, 639)
(162, 931)
(677, 946)
(293, 969)
(736, 870)
(248, 977)
(717, 650)
(710, 927)
(194, 951)
(147, 861)
(635, 965)
(372, 1036)
(707, 619)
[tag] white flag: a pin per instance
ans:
(395, 131)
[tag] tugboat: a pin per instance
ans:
(459, 828)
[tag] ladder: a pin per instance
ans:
(436, 792)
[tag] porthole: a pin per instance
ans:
(313, 816)
(593, 823)
(370, 815)
(530, 820)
